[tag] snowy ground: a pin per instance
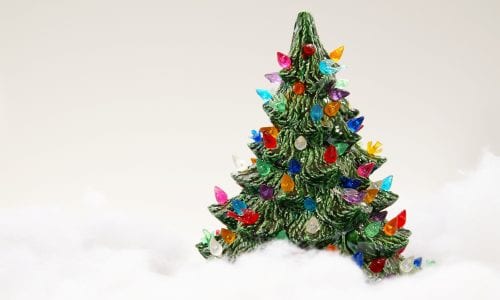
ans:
(49, 253)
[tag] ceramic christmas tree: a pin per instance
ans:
(311, 181)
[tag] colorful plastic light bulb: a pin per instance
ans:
(331, 108)
(341, 147)
(263, 167)
(269, 141)
(341, 83)
(287, 184)
(227, 235)
(273, 77)
(331, 247)
(326, 67)
(215, 247)
(270, 130)
(358, 258)
(337, 94)
(206, 237)
(256, 136)
(370, 195)
(220, 195)
(316, 112)
(284, 60)
(352, 236)
(282, 235)
(372, 229)
(238, 206)
(401, 219)
(294, 166)
(308, 50)
(265, 95)
(352, 196)
(365, 169)
(417, 262)
(379, 215)
(278, 103)
(312, 225)
(309, 204)
(266, 192)
(299, 88)
(406, 265)
(374, 148)
(377, 265)
(249, 217)
(355, 124)
(391, 227)
(350, 183)
(330, 155)
(280, 106)
(336, 54)
(300, 143)
(386, 183)
(239, 163)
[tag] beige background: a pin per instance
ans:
(143, 103)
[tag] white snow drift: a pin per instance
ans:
(53, 254)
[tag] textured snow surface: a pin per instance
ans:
(50, 253)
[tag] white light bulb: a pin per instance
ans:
(300, 143)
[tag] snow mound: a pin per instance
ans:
(50, 253)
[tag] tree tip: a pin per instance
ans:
(304, 15)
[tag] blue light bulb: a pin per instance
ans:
(264, 95)
(309, 204)
(417, 262)
(294, 166)
(256, 136)
(350, 183)
(326, 68)
(358, 258)
(386, 183)
(238, 206)
(316, 112)
(355, 124)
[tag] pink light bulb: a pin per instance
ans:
(220, 195)
(284, 60)
(366, 169)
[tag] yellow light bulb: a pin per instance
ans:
(374, 148)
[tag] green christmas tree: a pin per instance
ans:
(310, 180)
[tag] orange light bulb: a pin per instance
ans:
(370, 195)
(331, 247)
(336, 54)
(227, 235)
(332, 108)
(273, 131)
(391, 227)
(299, 88)
(287, 184)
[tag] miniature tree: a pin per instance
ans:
(310, 180)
